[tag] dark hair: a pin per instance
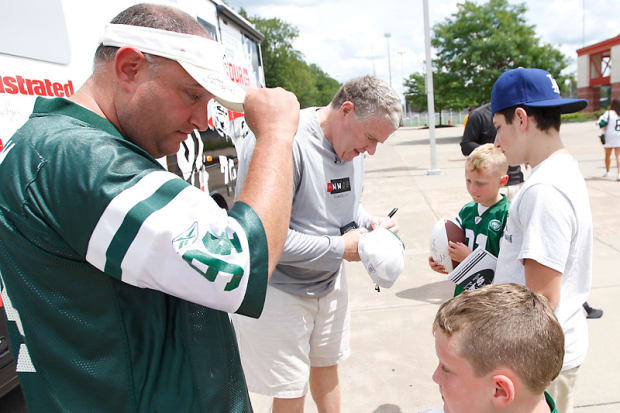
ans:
(546, 118)
(154, 16)
(615, 105)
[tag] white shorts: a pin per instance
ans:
(292, 334)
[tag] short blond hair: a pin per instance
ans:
(487, 156)
(506, 325)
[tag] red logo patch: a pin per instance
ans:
(330, 187)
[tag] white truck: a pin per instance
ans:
(47, 49)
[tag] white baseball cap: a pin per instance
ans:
(201, 57)
(382, 254)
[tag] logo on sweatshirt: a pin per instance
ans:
(338, 186)
(495, 225)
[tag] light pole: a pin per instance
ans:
(387, 36)
(430, 98)
(402, 66)
(402, 79)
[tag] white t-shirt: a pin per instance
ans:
(612, 130)
(550, 221)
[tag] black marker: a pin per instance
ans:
(392, 212)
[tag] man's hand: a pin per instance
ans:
(271, 113)
(436, 267)
(458, 251)
(388, 223)
(351, 239)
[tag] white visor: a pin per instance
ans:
(202, 58)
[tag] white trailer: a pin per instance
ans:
(47, 49)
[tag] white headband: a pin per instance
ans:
(202, 58)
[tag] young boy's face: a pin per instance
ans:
(509, 140)
(461, 390)
(483, 185)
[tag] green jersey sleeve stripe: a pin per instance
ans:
(133, 221)
(115, 212)
(252, 304)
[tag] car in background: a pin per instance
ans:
(8, 377)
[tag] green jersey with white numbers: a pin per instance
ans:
(483, 226)
(117, 276)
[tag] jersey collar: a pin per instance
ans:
(62, 106)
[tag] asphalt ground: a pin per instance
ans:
(393, 356)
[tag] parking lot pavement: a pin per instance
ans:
(393, 355)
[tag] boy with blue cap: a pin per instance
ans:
(547, 243)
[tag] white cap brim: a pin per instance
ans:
(202, 58)
(382, 254)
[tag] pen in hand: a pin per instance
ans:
(392, 212)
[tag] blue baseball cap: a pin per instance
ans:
(530, 87)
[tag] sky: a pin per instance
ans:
(346, 38)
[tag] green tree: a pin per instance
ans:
(444, 85)
(284, 65)
(326, 86)
(479, 42)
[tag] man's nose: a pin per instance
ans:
(436, 375)
(371, 148)
(200, 118)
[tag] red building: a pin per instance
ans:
(598, 66)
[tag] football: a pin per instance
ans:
(445, 230)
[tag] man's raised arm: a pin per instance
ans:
(273, 116)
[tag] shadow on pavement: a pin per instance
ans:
(433, 293)
(599, 178)
(387, 408)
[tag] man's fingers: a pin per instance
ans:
(271, 113)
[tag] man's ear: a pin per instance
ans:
(504, 390)
(503, 181)
(347, 108)
(128, 63)
(522, 117)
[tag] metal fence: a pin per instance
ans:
(448, 117)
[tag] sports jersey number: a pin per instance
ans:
(5, 149)
(24, 363)
(617, 127)
(481, 239)
(210, 266)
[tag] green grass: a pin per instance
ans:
(582, 117)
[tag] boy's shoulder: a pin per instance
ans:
(501, 205)
(469, 208)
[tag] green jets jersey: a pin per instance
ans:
(483, 229)
(550, 403)
(117, 275)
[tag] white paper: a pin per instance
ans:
(476, 270)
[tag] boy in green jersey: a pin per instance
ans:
(483, 219)
(498, 347)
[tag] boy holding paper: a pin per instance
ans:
(484, 218)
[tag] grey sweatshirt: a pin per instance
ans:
(326, 197)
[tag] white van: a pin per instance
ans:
(47, 49)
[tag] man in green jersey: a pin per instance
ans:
(483, 220)
(498, 347)
(117, 276)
